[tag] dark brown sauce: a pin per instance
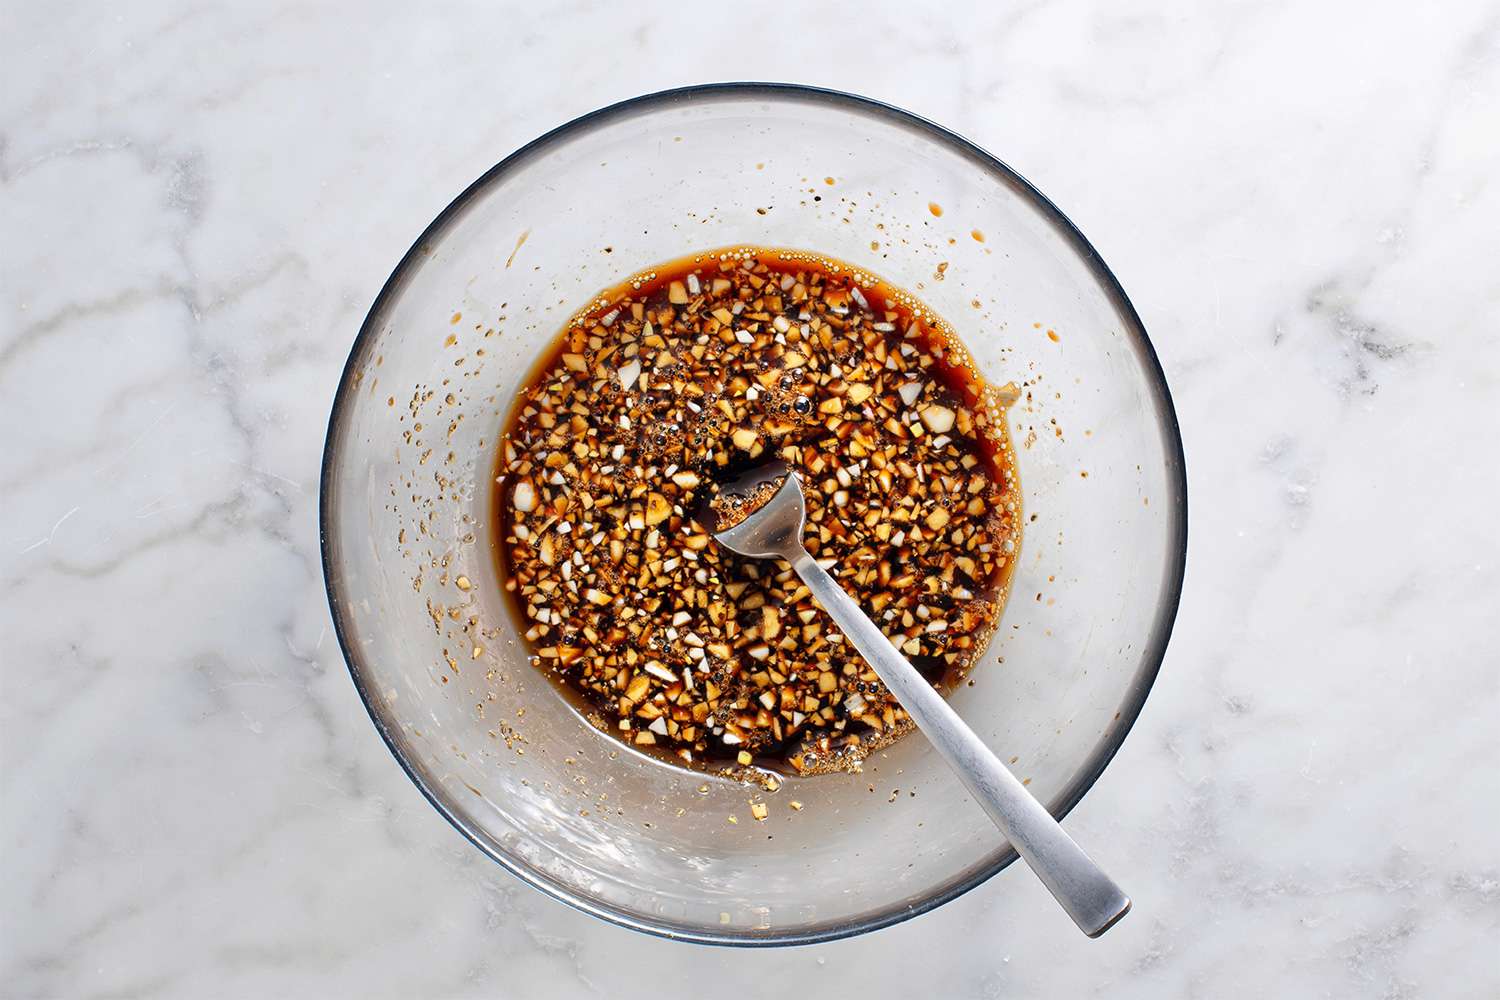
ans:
(955, 384)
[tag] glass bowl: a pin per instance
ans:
(407, 492)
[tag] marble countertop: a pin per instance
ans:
(198, 205)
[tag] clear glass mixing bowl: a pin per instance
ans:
(406, 508)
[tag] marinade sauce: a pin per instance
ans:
(699, 369)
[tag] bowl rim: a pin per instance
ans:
(1161, 630)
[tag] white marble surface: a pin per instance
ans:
(197, 206)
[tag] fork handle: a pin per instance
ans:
(1089, 896)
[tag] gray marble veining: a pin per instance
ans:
(197, 206)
